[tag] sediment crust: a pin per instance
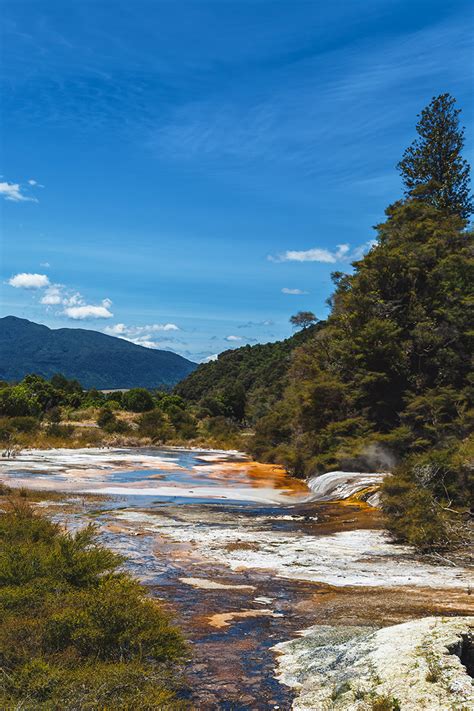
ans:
(416, 665)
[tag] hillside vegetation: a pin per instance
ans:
(244, 383)
(386, 382)
(57, 413)
(95, 359)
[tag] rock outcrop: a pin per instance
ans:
(422, 664)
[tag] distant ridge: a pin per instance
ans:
(96, 360)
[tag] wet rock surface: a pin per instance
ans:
(243, 576)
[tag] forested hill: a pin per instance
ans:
(244, 383)
(96, 360)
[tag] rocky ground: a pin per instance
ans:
(421, 664)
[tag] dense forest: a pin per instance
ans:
(244, 383)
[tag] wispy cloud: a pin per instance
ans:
(13, 193)
(293, 292)
(25, 280)
(234, 338)
(120, 329)
(342, 253)
(256, 324)
(210, 358)
(52, 296)
(289, 119)
(143, 335)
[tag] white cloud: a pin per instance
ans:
(12, 192)
(210, 358)
(75, 299)
(313, 255)
(161, 327)
(73, 304)
(142, 335)
(342, 253)
(89, 311)
(29, 281)
(295, 292)
(118, 330)
(233, 338)
(52, 296)
(45, 264)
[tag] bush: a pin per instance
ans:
(154, 424)
(109, 422)
(18, 401)
(76, 632)
(416, 504)
(137, 400)
(54, 414)
(106, 419)
(221, 427)
(25, 424)
(61, 431)
(6, 430)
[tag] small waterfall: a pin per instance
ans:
(341, 485)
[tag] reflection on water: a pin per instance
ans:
(164, 474)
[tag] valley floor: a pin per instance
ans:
(246, 558)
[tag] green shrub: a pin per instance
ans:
(6, 430)
(412, 513)
(62, 431)
(77, 632)
(54, 414)
(221, 427)
(137, 400)
(106, 419)
(18, 400)
(25, 424)
(155, 424)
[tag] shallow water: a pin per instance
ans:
(242, 554)
(163, 474)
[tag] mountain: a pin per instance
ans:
(250, 379)
(96, 360)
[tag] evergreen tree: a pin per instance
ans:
(432, 167)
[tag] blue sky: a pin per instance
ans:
(188, 174)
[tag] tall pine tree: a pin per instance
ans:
(432, 167)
